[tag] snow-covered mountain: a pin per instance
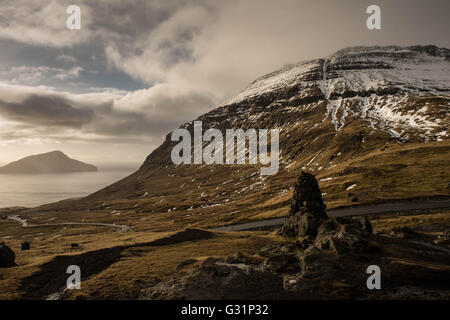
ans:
(370, 122)
(390, 87)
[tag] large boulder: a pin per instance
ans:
(300, 225)
(341, 236)
(7, 256)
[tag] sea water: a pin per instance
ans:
(27, 190)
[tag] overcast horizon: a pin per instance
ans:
(111, 91)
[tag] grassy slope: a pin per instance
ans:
(165, 197)
(131, 264)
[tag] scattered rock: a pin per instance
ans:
(242, 258)
(444, 238)
(185, 263)
(315, 263)
(327, 259)
(282, 263)
(7, 256)
(216, 280)
(403, 233)
(364, 222)
(332, 264)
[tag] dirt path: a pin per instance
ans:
(343, 212)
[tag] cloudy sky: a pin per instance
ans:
(110, 92)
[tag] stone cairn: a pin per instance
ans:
(307, 208)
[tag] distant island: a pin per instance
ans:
(51, 162)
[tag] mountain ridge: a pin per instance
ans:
(50, 162)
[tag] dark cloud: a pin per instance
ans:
(47, 111)
(155, 116)
(52, 115)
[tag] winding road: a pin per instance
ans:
(25, 224)
(339, 212)
(348, 211)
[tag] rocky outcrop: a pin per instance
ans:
(307, 208)
(403, 233)
(217, 279)
(323, 250)
(330, 264)
(307, 218)
(7, 256)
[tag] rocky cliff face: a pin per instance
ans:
(370, 122)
